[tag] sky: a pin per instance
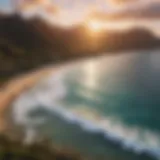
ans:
(80, 7)
(66, 12)
(4, 4)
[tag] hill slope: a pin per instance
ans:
(27, 44)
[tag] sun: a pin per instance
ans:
(94, 26)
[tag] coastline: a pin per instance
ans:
(14, 87)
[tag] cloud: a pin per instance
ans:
(132, 4)
(148, 10)
(38, 5)
(122, 2)
(25, 5)
(106, 10)
(52, 9)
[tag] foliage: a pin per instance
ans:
(16, 150)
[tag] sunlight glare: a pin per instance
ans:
(90, 74)
(94, 26)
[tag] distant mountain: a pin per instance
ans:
(27, 44)
(21, 46)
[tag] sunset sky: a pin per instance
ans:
(127, 12)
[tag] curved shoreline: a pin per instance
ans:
(14, 87)
(86, 124)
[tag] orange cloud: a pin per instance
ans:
(33, 3)
(45, 5)
(122, 2)
(51, 9)
(140, 11)
(132, 2)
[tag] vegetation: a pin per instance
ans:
(16, 150)
(25, 45)
(28, 44)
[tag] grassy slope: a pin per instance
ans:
(15, 150)
(25, 45)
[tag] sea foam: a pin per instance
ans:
(48, 92)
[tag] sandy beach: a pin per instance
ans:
(14, 87)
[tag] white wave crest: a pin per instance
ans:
(48, 93)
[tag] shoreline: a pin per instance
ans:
(14, 87)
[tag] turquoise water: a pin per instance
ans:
(123, 94)
(105, 107)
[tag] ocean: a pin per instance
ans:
(105, 107)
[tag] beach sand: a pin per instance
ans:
(14, 87)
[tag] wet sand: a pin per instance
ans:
(14, 87)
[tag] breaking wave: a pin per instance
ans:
(48, 93)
